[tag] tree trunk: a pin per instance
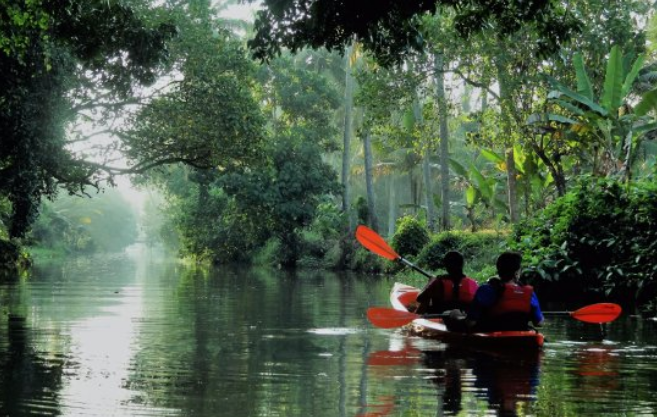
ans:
(555, 169)
(392, 206)
(426, 168)
(369, 183)
(346, 151)
(506, 109)
(439, 71)
(512, 183)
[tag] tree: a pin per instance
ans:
(210, 119)
(47, 50)
(347, 130)
(283, 195)
(391, 29)
(606, 128)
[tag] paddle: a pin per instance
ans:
(594, 313)
(387, 318)
(375, 243)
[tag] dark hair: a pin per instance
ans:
(508, 263)
(453, 261)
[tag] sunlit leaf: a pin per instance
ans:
(483, 185)
(491, 156)
(519, 158)
(470, 195)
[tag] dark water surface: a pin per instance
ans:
(138, 334)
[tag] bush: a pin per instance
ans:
(410, 237)
(480, 250)
(598, 241)
(365, 261)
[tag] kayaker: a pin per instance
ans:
(453, 291)
(502, 303)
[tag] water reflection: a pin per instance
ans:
(136, 334)
(25, 375)
(463, 377)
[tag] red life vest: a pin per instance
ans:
(467, 290)
(514, 299)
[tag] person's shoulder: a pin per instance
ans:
(486, 287)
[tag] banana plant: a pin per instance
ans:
(479, 189)
(607, 123)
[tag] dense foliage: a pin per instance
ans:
(48, 49)
(391, 29)
(247, 185)
(599, 240)
(480, 250)
(283, 196)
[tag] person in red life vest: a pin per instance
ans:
(502, 303)
(453, 291)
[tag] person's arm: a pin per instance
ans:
(537, 314)
(424, 297)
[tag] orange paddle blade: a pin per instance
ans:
(375, 243)
(598, 313)
(388, 318)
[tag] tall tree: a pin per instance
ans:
(369, 181)
(442, 108)
(346, 134)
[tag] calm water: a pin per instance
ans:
(140, 335)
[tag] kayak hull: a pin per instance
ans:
(403, 295)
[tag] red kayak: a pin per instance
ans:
(403, 295)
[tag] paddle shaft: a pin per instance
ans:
(415, 267)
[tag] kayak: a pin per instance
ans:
(402, 295)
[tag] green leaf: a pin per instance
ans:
(611, 97)
(519, 158)
(492, 156)
(648, 127)
(470, 195)
(570, 107)
(458, 168)
(484, 187)
(631, 76)
(578, 97)
(409, 120)
(583, 81)
(648, 102)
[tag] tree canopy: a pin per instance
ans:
(391, 29)
(47, 49)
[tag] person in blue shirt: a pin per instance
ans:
(502, 303)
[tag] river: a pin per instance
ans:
(139, 334)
